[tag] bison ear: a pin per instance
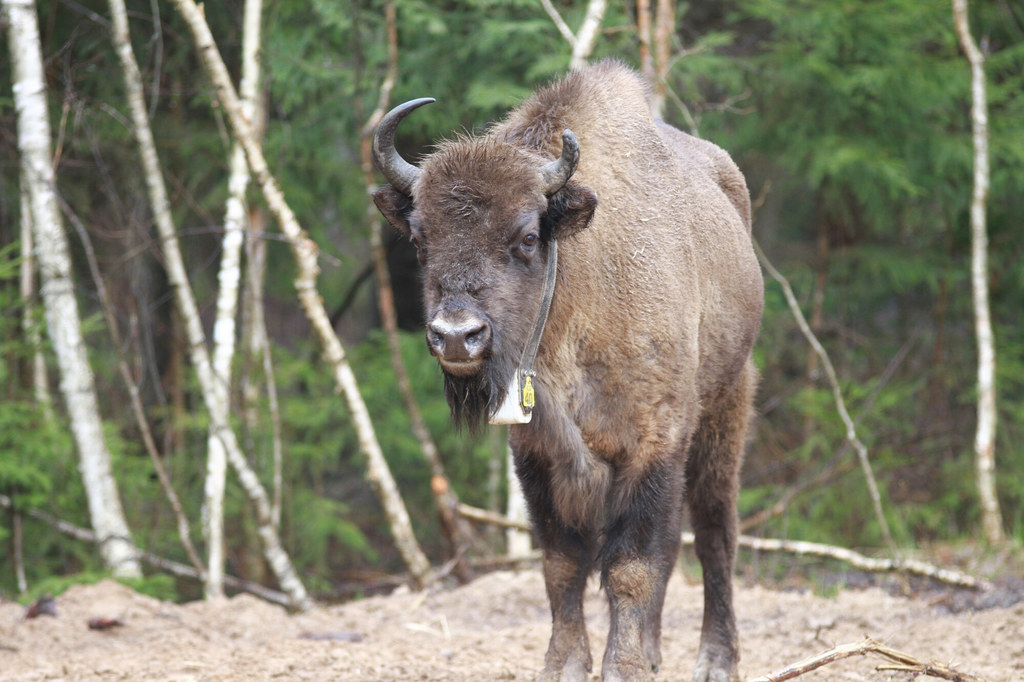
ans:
(395, 207)
(569, 211)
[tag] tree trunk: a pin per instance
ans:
(63, 322)
(37, 365)
(275, 555)
(305, 253)
(586, 36)
(518, 542)
(664, 31)
(985, 436)
(456, 531)
(258, 360)
(643, 34)
(582, 42)
(235, 215)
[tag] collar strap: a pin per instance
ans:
(520, 398)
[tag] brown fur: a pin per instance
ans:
(644, 381)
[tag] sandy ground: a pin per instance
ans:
(495, 628)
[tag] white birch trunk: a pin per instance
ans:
(305, 253)
(273, 552)
(235, 215)
(582, 42)
(586, 37)
(985, 436)
(57, 287)
(518, 542)
(40, 382)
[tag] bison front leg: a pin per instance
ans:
(568, 656)
(641, 547)
(568, 559)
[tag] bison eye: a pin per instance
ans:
(526, 247)
(421, 251)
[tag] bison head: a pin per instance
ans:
(481, 212)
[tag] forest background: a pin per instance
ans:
(851, 121)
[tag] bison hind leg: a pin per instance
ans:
(712, 485)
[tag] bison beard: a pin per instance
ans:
(472, 399)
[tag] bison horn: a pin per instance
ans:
(396, 170)
(558, 172)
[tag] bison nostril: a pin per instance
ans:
(477, 337)
(458, 342)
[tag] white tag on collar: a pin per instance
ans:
(511, 410)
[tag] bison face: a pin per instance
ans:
(481, 220)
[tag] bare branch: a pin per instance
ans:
(493, 518)
(133, 390)
(849, 556)
(831, 467)
(305, 253)
(858, 560)
(173, 567)
(586, 37)
(837, 395)
(560, 24)
(444, 497)
(582, 42)
(273, 551)
(905, 663)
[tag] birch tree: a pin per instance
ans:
(455, 530)
(277, 558)
(235, 215)
(40, 383)
(305, 253)
(57, 287)
(985, 436)
(582, 42)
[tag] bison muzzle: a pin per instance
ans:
(641, 322)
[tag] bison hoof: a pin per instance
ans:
(573, 671)
(708, 670)
(627, 675)
(633, 669)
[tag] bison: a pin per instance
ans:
(622, 357)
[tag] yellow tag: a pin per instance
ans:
(528, 397)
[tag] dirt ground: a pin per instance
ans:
(495, 628)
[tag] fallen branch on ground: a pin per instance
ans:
(855, 559)
(166, 565)
(903, 663)
(858, 560)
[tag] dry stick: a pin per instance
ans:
(858, 560)
(905, 663)
(133, 390)
(305, 253)
(444, 496)
(849, 556)
(837, 395)
(273, 551)
(174, 567)
(827, 471)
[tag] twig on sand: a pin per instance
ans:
(900, 662)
